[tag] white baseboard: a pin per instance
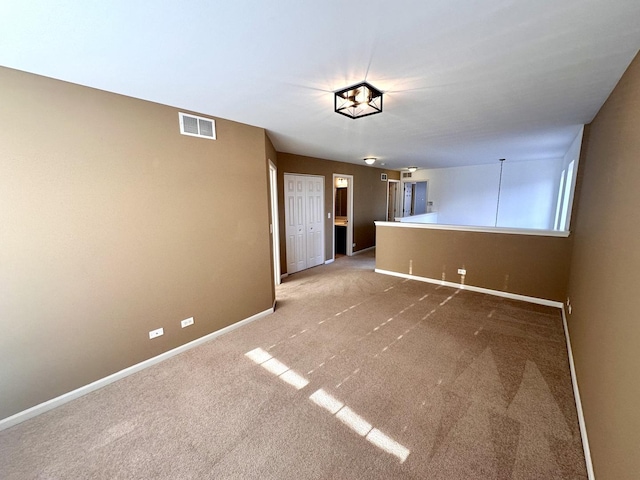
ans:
(364, 250)
(471, 288)
(327, 262)
(283, 276)
(576, 395)
(79, 392)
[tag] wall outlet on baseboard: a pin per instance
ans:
(156, 333)
(186, 322)
(462, 271)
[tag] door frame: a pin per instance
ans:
(414, 181)
(274, 226)
(349, 214)
(397, 200)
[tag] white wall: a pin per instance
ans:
(572, 155)
(463, 195)
(528, 194)
(469, 195)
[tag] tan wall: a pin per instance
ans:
(604, 283)
(534, 266)
(113, 224)
(369, 197)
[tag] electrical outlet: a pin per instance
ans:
(156, 333)
(462, 271)
(186, 322)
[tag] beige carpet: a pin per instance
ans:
(356, 375)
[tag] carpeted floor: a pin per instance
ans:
(356, 375)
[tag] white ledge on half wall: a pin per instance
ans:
(471, 228)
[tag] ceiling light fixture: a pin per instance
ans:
(358, 101)
(412, 169)
(370, 161)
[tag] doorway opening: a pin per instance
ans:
(394, 200)
(415, 199)
(342, 215)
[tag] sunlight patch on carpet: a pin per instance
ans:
(279, 369)
(359, 425)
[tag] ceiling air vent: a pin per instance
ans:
(406, 174)
(197, 126)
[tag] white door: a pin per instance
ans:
(304, 218)
(408, 199)
(294, 199)
(315, 221)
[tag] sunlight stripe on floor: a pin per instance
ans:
(326, 401)
(278, 368)
(295, 380)
(274, 366)
(258, 355)
(388, 444)
(354, 421)
(359, 425)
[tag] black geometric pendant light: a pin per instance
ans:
(358, 101)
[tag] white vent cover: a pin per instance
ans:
(406, 174)
(197, 126)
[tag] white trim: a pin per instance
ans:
(469, 228)
(350, 182)
(364, 250)
(327, 262)
(576, 395)
(275, 226)
(103, 382)
(471, 288)
(389, 182)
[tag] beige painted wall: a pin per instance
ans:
(369, 197)
(534, 266)
(605, 281)
(113, 224)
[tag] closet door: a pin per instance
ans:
(315, 221)
(304, 219)
(294, 198)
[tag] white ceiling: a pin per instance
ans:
(465, 82)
